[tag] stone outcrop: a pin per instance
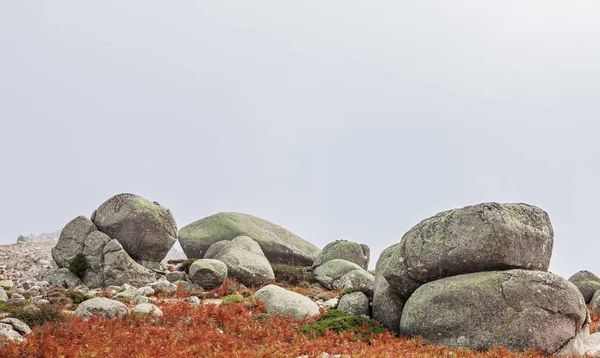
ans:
(278, 244)
(330, 272)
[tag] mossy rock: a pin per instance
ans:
(145, 229)
(278, 244)
(518, 309)
(344, 250)
(478, 238)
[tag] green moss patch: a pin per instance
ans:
(336, 321)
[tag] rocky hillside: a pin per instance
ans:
(473, 278)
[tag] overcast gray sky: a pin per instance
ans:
(335, 119)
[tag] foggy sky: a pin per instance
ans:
(334, 119)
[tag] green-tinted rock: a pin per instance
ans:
(278, 244)
(477, 238)
(71, 240)
(344, 250)
(245, 262)
(387, 307)
(518, 309)
(333, 270)
(145, 229)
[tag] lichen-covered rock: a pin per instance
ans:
(332, 271)
(120, 268)
(246, 262)
(360, 254)
(21, 327)
(208, 273)
(278, 244)
(519, 309)
(215, 248)
(62, 277)
(103, 307)
(356, 303)
(587, 283)
(145, 229)
(280, 301)
(478, 238)
(93, 250)
(387, 308)
(356, 278)
(70, 242)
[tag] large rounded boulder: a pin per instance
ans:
(360, 254)
(278, 244)
(145, 229)
(478, 238)
(519, 309)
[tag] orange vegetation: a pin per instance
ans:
(228, 330)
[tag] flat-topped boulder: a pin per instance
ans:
(278, 244)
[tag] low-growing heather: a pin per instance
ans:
(232, 330)
(45, 313)
(293, 275)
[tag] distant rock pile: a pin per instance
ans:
(278, 244)
(122, 230)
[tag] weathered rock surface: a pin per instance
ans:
(119, 268)
(360, 254)
(518, 309)
(278, 244)
(587, 283)
(356, 303)
(103, 307)
(387, 308)
(215, 248)
(208, 273)
(146, 230)
(331, 271)
(71, 240)
(478, 238)
(357, 278)
(246, 262)
(280, 301)
(13, 329)
(62, 277)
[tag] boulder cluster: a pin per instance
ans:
(474, 277)
(477, 277)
